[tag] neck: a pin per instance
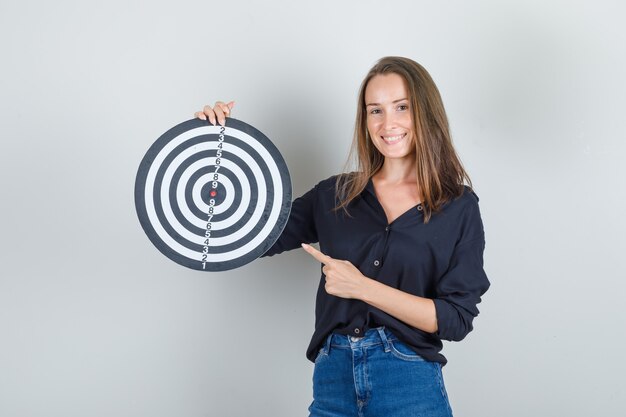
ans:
(398, 170)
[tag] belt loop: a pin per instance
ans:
(327, 344)
(383, 337)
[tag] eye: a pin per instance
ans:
(403, 107)
(375, 111)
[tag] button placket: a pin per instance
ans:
(377, 262)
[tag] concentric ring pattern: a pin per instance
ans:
(213, 198)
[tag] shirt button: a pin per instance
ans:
(376, 262)
(387, 229)
(419, 207)
(357, 330)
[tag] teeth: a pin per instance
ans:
(392, 138)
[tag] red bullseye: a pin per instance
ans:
(213, 193)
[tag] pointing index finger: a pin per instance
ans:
(325, 259)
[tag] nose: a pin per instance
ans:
(389, 121)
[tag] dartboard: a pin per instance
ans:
(213, 198)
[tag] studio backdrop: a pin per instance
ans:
(96, 321)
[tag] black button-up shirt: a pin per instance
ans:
(441, 260)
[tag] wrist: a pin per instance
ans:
(367, 289)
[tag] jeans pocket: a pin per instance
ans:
(402, 351)
(321, 354)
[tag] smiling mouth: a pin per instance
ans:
(390, 140)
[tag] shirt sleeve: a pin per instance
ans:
(300, 226)
(460, 288)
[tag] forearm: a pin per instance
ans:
(415, 311)
(344, 280)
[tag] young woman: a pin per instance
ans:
(401, 244)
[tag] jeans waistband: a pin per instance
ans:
(373, 337)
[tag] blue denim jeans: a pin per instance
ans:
(376, 376)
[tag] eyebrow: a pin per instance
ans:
(378, 104)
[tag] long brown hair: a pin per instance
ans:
(440, 174)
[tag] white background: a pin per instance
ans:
(94, 321)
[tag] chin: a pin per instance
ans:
(398, 157)
(397, 153)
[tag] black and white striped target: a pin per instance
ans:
(213, 198)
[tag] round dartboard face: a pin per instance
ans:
(213, 198)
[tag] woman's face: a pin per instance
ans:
(389, 116)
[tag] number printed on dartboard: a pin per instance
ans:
(212, 195)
